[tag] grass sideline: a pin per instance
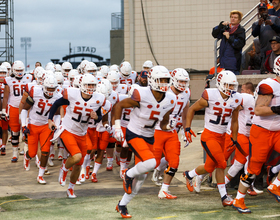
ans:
(206, 205)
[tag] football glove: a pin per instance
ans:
(189, 132)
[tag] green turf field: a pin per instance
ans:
(206, 205)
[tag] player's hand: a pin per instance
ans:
(172, 124)
(52, 126)
(118, 134)
(189, 132)
(5, 115)
(186, 142)
(268, 22)
(93, 115)
(25, 130)
(108, 128)
(261, 21)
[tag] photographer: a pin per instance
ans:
(233, 40)
(265, 28)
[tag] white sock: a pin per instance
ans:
(240, 195)
(222, 189)
(117, 154)
(96, 167)
(192, 173)
(162, 165)
(3, 146)
(123, 163)
(15, 151)
(41, 171)
(136, 185)
(86, 159)
(235, 168)
(71, 185)
(25, 148)
(141, 168)
(227, 180)
(110, 161)
(275, 169)
(276, 182)
(164, 186)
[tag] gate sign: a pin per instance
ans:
(82, 49)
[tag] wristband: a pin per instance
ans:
(118, 123)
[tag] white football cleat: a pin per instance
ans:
(41, 180)
(197, 184)
(50, 162)
(165, 195)
(82, 177)
(155, 177)
(70, 194)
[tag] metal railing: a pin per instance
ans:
(117, 21)
(216, 47)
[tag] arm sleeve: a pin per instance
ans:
(56, 105)
(256, 30)
(217, 31)
(98, 112)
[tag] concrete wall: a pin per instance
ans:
(116, 46)
(179, 30)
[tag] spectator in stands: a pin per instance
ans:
(255, 56)
(265, 28)
(275, 10)
(267, 66)
(233, 40)
(37, 64)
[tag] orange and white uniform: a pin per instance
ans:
(17, 88)
(122, 89)
(128, 80)
(167, 142)
(141, 127)
(217, 116)
(76, 120)
(38, 120)
(265, 131)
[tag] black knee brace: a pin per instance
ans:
(111, 145)
(15, 138)
(170, 171)
(247, 179)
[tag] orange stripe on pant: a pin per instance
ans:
(167, 143)
(38, 133)
(74, 144)
(14, 119)
(262, 141)
(213, 143)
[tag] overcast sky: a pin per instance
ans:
(52, 24)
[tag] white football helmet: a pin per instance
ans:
(276, 66)
(88, 84)
(58, 68)
(66, 67)
(147, 64)
(104, 70)
(71, 75)
(8, 66)
(114, 78)
(18, 69)
(125, 69)
(40, 76)
(59, 77)
(133, 86)
(50, 85)
(83, 65)
(114, 67)
(154, 78)
(37, 70)
(101, 88)
(227, 82)
(99, 76)
(90, 68)
(107, 83)
(180, 79)
(50, 66)
(3, 72)
(77, 81)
